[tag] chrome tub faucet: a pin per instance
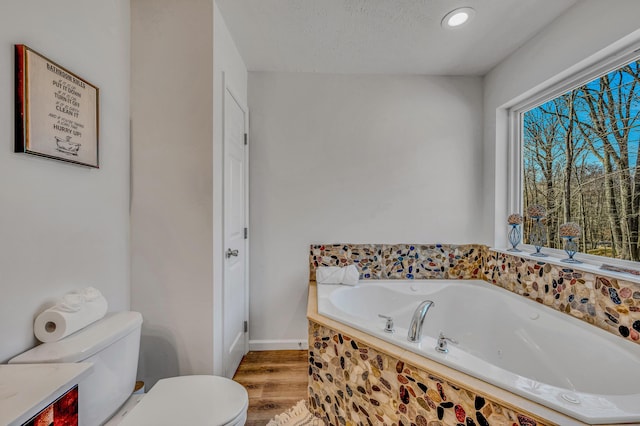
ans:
(415, 328)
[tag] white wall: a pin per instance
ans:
(64, 226)
(171, 214)
(586, 33)
(229, 70)
(359, 159)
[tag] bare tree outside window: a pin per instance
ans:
(580, 161)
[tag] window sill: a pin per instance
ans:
(555, 257)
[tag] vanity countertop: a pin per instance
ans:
(25, 389)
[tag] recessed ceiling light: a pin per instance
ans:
(458, 17)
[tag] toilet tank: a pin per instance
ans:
(112, 345)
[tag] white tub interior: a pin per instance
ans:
(504, 339)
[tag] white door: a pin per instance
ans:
(235, 247)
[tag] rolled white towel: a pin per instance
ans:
(94, 301)
(71, 303)
(351, 275)
(329, 275)
(348, 275)
(89, 293)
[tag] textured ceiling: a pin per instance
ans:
(382, 36)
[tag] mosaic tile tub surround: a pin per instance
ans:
(353, 384)
(598, 299)
(609, 303)
(403, 261)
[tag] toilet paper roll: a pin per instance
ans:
(58, 322)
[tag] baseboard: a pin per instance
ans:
(278, 345)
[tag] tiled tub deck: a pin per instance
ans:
(357, 379)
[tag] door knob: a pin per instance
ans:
(231, 253)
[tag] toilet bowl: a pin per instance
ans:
(105, 395)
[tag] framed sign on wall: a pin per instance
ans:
(56, 111)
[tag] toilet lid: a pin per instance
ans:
(190, 400)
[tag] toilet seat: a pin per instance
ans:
(191, 400)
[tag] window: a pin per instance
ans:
(579, 160)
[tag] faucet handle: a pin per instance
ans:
(443, 338)
(388, 328)
(442, 343)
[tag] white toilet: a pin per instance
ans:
(105, 396)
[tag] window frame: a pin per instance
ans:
(515, 116)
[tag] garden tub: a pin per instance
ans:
(504, 339)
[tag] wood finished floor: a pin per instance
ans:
(275, 381)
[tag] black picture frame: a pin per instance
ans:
(56, 111)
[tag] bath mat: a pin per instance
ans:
(298, 415)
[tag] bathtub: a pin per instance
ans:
(504, 339)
